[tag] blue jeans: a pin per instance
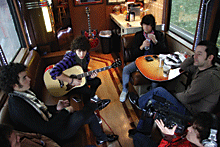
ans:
(145, 125)
(127, 70)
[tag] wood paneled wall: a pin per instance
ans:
(99, 17)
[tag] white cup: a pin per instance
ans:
(161, 62)
(166, 70)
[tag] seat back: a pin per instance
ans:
(126, 44)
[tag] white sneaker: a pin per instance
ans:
(123, 96)
(95, 99)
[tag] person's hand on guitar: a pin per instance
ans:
(94, 74)
(75, 82)
(62, 104)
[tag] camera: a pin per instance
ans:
(160, 108)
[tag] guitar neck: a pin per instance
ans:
(90, 72)
(89, 24)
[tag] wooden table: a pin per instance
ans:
(152, 71)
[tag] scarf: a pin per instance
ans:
(31, 98)
(148, 52)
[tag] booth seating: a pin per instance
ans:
(36, 65)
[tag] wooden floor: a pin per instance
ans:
(117, 117)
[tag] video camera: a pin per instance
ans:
(160, 108)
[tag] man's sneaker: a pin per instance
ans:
(98, 118)
(103, 103)
(132, 132)
(134, 99)
(95, 99)
(123, 96)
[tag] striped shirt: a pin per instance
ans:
(68, 61)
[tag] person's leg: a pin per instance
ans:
(75, 121)
(127, 70)
(159, 91)
(94, 84)
(85, 91)
(141, 140)
(154, 85)
(145, 124)
(96, 128)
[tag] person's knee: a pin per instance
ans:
(99, 82)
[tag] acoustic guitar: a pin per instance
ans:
(91, 34)
(59, 88)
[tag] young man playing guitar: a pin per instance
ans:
(78, 55)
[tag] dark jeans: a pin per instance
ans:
(141, 140)
(79, 118)
(88, 92)
(145, 123)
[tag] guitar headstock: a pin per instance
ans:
(116, 63)
(87, 10)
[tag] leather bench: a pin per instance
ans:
(36, 65)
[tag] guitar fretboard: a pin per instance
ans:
(87, 12)
(90, 72)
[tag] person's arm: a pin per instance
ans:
(168, 133)
(200, 87)
(57, 71)
(23, 113)
(137, 50)
(188, 66)
(159, 45)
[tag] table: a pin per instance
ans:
(125, 29)
(119, 19)
(152, 71)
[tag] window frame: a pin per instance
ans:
(19, 28)
(212, 26)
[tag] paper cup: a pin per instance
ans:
(166, 70)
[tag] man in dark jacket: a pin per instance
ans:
(30, 114)
(146, 42)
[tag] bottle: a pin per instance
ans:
(128, 15)
(132, 16)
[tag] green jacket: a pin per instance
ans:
(203, 92)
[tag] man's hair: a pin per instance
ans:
(149, 20)
(9, 76)
(80, 42)
(211, 49)
(205, 121)
(5, 133)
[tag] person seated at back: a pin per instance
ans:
(12, 138)
(201, 133)
(201, 95)
(78, 55)
(148, 41)
(59, 122)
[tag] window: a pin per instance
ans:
(9, 39)
(218, 44)
(183, 20)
